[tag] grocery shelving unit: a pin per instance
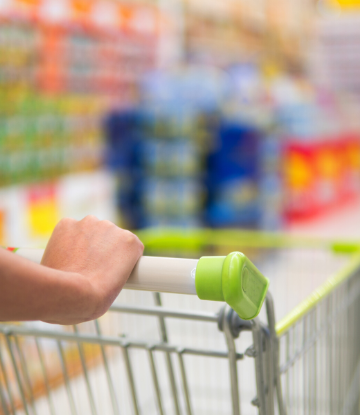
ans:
(62, 66)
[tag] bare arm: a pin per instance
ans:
(84, 267)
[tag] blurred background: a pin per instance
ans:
(179, 113)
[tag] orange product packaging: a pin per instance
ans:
(349, 149)
(300, 180)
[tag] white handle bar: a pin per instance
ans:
(171, 275)
(233, 279)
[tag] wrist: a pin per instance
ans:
(74, 300)
(36, 292)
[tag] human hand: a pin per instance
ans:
(100, 255)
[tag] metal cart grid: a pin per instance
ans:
(317, 355)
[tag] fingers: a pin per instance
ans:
(132, 241)
(121, 247)
(64, 224)
(97, 250)
(89, 220)
(124, 236)
(91, 238)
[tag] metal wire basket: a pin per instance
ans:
(176, 354)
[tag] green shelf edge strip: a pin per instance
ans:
(194, 239)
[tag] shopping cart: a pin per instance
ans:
(214, 359)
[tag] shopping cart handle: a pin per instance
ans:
(233, 279)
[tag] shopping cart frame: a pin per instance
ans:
(266, 337)
(267, 340)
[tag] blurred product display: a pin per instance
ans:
(62, 64)
(247, 151)
(158, 151)
(205, 113)
(29, 212)
(56, 80)
(336, 53)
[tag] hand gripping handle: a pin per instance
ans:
(233, 279)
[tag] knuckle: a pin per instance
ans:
(65, 222)
(107, 224)
(138, 244)
(141, 246)
(90, 218)
(129, 237)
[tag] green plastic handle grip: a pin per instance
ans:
(233, 279)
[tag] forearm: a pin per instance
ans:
(33, 292)
(85, 265)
